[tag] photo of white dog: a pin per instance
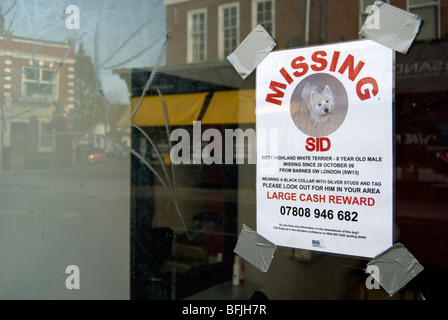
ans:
(320, 104)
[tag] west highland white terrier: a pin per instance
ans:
(320, 105)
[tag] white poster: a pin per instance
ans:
(325, 148)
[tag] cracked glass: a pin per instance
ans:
(128, 155)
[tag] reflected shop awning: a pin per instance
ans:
(190, 93)
(181, 109)
(224, 107)
(212, 93)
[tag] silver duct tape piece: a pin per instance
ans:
(255, 249)
(390, 26)
(254, 48)
(396, 266)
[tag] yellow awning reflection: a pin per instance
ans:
(228, 107)
(182, 109)
(225, 107)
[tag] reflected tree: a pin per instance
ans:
(89, 106)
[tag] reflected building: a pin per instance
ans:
(37, 89)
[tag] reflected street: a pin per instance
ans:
(43, 214)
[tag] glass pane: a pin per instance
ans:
(128, 150)
(268, 16)
(30, 73)
(46, 75)
(195, 25)
(428, 30)
(32, 90)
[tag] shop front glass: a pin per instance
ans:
(133, 139)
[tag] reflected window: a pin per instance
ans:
(429, 12)
(263, 13)
(39, 85)
(229, 28)
(197, 35)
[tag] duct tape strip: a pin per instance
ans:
(254, 48)
(396, 267)
(390, 26)
(255, 249)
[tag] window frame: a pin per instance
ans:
(54, 81)
(254, 11)
(191, 54)
(433, 3)
(221, 38)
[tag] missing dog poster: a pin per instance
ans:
(325, 148)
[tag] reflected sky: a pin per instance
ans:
(116, 34)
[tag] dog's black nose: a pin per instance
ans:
(326, 110)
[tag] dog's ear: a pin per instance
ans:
(327, 90)
(313, 95)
